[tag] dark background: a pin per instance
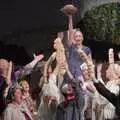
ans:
(28, 26)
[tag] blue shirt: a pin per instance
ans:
(74, 60)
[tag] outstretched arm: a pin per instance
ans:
(106, 93)
(34, 61)
(70, 30)
(28, 68)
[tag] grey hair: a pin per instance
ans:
(12, 90)
(76, 30)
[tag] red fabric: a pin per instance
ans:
(68, 99)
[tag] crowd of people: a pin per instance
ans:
(73, 87)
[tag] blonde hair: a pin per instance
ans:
(77, 30)
(22, 82)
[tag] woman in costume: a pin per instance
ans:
(14, 110)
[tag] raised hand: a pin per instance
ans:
(111, 56)
(91, 88)
(9, 73)
(99, 68)
(38, 57)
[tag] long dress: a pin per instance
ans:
(13, 112)
(47, 108)
(73, 109)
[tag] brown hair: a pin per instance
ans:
(103, 71)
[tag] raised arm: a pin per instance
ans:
(70, 30)
(8, 79)
(34, 61)
(29, 67)
(99, 74)
(49, 61)
(88, 60)
(111, 56)
(69, 10)
(9, 73)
